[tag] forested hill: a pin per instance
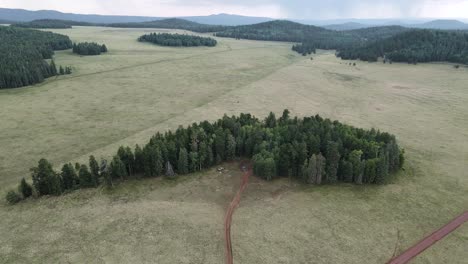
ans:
(283, 30)
(51, 23)
(415, 46)
(23, 53)
(377, 33)
(172, 23)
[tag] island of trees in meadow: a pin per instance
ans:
(312, 150)
(177, 40)
(89, 48)
(23, 54)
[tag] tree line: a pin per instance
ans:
(53, 23)
(44, 23)
(313, 150)
(172, 23)
(89, 48)
(177, 40)
(23, 54)
(419, 45)
(282, 30)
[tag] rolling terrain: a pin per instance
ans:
(136, 89)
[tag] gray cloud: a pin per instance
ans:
(306, 9)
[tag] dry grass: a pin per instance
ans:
(137, 89)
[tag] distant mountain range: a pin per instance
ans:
(21, 15)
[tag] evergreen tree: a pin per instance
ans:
(61, 71)
(86, 179)
(117, 168)
(270, 121)
(194, 161)
(53, 68)
(69, 177)
(25, 188)
(182, 165)
(45, 180)
(333, 159)
(139, 160)
(346, 171)
(230, 147)
(220, 145)
(94, 168)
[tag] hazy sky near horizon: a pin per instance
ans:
(300, 9)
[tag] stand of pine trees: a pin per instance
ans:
(419, 45)
(23, 54)
(177, 40)
(89, 48)
(45, 23)
(312, 150)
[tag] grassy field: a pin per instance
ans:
(125, 96)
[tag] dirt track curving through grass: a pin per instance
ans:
(430, 240)
(228, 218)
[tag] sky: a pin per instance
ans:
(298, 9)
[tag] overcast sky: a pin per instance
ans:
(301, 9)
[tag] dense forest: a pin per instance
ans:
(172, 23)
(23, 54)
(282, 30)
(89, 48)
(44, 23)
(177, 40)
(51, 23)
(419, 45)
(312, 150)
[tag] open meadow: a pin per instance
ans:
(137, 89)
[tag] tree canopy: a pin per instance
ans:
(177, 40)
(23, 54)
(312, 149)
(89, 48)
(419, 45)
(172, 23)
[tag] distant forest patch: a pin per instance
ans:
(23, 54)
(177, 40)
(172, 23)
(89, 48)
(51, 23)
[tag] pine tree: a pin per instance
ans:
(194, 161)
(86, 179)
(94, 168)
(220, 145)
(230, 147)
(61, 71)
(25, 188)
(53, 68)
(182, 165)
(139, 160)
(333, 159)
(270, 121)
(117, 169)
(158, 162)
(45, 180)
(69, 177)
